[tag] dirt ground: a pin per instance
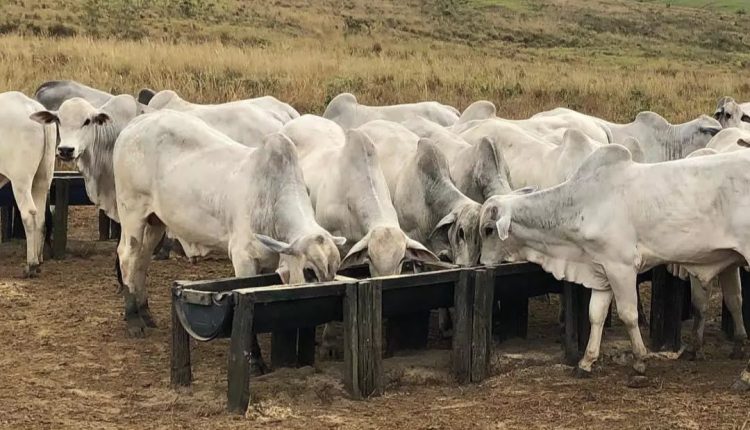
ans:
(65, 362)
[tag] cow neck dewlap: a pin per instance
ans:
(95, 164)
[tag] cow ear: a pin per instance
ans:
(503, 226)
(710, 130)
(338, 240)
(100, 118)
(358, 253)
(744, 142)
(415, 251)
(443, 223)
(274, 245)
(45, 117)
(145, 95)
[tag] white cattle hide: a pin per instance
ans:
(27, 161)
(348, 113)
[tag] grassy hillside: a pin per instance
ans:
(609, 57)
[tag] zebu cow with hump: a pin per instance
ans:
(615, 218)
(350, 195)
(346, 111)
(168, 99)
(659, 139)
(479, 171)
(27, 161)
(429, 206)
(174, 171)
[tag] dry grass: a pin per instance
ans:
(609, 57)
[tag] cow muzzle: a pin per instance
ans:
(65, 153)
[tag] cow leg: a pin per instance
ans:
(623, 283)
(39, 191)
(25, 203)
(699, 295)
(731, 288)
(129, 252)
(598, 309)
(152, 234)
(742, 384)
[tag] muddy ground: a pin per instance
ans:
(65, 362)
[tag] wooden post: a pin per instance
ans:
(484, 295)
(577, 326)
(407, 332)
(6, 223)
(306, 346)
(181, 374)
(60, 229)
(463, 304)
(351, 341)
(369, 308)
(667, 297)
(238, 369)
(103, 226)
(284, 348)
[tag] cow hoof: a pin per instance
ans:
(638, 381)
(136, 327)
(579, 373)
(639, 367)
(740, 386)
(738, 353)
(146, 316)
(691, 355)
(31, 271)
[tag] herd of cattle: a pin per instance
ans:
(591, 201)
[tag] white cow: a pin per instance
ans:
(350, 195)
(173, 171)
(52, 94)
(732, 114)
(27, 161)
(429, 206)
(348, 113)
(479, 171)
(168, 99)
(659, 140)
(615, 218)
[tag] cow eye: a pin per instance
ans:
(87, 122)
(461, 234)
(745, 118)
(488, 231)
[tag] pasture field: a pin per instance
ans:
(65, 361)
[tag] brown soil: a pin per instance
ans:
(65, 362)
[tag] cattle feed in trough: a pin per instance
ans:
(27, 161)
(347, 112)
(615, 218)
(250, 203)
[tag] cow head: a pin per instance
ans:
(663, 141)
(77, 120)
(385, 249)
(458, 231)
(310, 258)
(498, 244)
(730, 114)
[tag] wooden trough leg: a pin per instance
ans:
(284, 348)
(181, 374)
(238, 369)
(363, 342)
(577, 326)
(60, 228)
(306, 346)
(667, 298)
(484, 296)
(463, 303)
